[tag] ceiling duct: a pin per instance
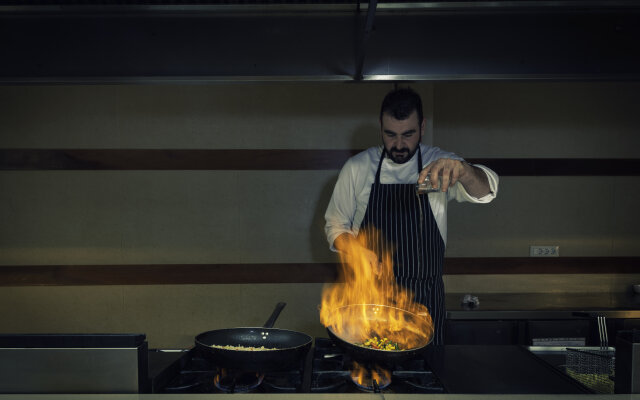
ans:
(234, 40)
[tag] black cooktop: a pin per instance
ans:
(327, 369)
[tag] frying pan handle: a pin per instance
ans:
(274, 315)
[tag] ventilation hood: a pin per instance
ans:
(209, 41)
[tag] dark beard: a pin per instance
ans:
(402, 155)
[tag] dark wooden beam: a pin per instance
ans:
(280, 159)
(180, 274)
(541, 265)
(140, 159)
(165, 274)
(561, 166)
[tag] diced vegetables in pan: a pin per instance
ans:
(381, 344)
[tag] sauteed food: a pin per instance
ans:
(381, 344)
(242, 348)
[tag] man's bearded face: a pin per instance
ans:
(401, 137)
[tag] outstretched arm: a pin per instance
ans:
(472, 178)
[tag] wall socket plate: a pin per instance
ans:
(544, 251)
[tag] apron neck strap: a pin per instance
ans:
(384, 153)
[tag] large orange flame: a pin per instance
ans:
(369, 303)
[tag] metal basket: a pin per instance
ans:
(594, 368)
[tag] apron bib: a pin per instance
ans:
(408, 230)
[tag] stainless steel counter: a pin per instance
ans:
(497, 370)
(544, 305)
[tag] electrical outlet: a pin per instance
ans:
(544, 251)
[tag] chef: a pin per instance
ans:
(377, 189)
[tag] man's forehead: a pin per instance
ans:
(412, 121)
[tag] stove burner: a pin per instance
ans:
(230, 381)
(330, 381)
(370, 378)
(190, 382)
(282, 382)
(423, 381)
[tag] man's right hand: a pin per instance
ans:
(372, 259)
(351, 247)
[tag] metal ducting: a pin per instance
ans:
(235, 40)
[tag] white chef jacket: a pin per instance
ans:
(351, 194)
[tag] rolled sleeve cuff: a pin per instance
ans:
(493, 179)
(332, 235)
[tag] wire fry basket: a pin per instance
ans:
(593, 368)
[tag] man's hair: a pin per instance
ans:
(400, 103)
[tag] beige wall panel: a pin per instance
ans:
(171, 316)
(58, 116)
(625, 214)
(569, 119)
(585, 216)
(121, 217)
(223, 116)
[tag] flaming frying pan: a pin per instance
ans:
(421, 333)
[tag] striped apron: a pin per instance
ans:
(407, 229)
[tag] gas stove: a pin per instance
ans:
(195, 372)
(326, 369)
(332, 373)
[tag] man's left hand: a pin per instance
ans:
(472, 178)
(450, 170)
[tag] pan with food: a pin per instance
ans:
(260, 349)
(375, 347)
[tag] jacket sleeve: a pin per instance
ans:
(458, 192)
(342, 206)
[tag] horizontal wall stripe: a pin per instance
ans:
(562, 166)
(542, 265)
(139, 159)
(165, 274)
(274, 159)
(178, 274)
